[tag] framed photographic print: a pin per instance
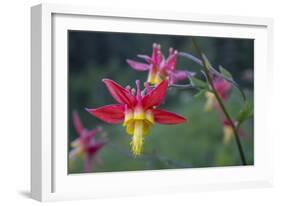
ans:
(138, 102)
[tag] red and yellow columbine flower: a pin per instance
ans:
(160, 68)
(138, 112)
(223, 89)
(85, 145)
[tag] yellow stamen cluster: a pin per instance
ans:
(138, 123)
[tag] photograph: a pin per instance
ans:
(139, 102)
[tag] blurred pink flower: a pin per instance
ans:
(160, 68)
(86, 144)
(223, 88)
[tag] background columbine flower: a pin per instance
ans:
(138, 112)
(223, 89)
(160, 68)
(85, 145)
(228, 133)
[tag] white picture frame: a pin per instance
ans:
(49, 178)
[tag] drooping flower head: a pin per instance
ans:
(137, 110)
(223, 88)
(228, 132)
(158, 67)
(85, 144)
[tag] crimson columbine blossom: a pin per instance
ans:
(160, 68)
(138, 112)
(85, 144)
(223, 89)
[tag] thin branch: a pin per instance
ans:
(178, 86)
(181, 86)
(237, 138)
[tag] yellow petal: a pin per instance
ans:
(139, 114)
(228, 134)
(75, 143)
(210, 101)
(76, 152)
(154, 76)
(129, 116)
(151, 77)
(146, 128)
(130, 128)
(149, 117)
(157, 79)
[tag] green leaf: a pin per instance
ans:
(197, 83)
(245, 113)
(225, 73)
(200, 93)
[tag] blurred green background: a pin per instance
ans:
(199, 143)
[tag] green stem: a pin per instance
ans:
(177, 86)
(181, 86)
(227, 115)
